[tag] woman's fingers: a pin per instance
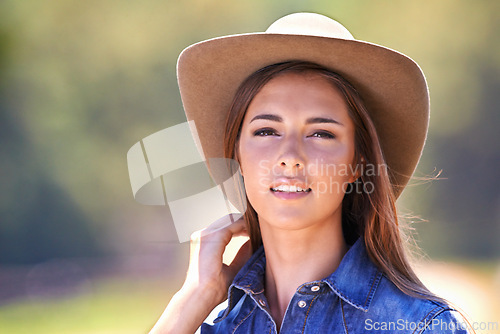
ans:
(219, 234)
(233, 223)
(223, 222)
(208, 245)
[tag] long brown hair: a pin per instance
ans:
(368, 214)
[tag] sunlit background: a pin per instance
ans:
(82, 81)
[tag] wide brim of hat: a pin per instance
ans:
(391, 84)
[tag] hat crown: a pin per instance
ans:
(310, 24)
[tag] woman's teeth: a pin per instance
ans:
(290, 189)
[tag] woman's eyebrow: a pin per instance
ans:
(269, 117)
(322, 120)
(312, 120)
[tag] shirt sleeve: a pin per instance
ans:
(447, 322)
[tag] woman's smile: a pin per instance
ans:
(290, 189)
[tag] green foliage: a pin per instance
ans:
(114, 306)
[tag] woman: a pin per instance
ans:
(327, 131)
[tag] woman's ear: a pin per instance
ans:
(357, 169)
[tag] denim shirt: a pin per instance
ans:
(356, 298)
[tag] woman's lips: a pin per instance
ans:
(290, 189)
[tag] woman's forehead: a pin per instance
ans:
(306, 93)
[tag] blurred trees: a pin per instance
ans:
(81, 82)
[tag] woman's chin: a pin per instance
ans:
(289, 220)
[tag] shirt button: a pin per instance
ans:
(262, 302)
(315, 288)
(302, 304)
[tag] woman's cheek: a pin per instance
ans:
(256, 173)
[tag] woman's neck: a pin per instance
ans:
(294, 257)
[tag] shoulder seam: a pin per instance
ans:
(430, 316)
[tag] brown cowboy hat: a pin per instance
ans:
(391, 84)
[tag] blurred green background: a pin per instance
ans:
(82, 81)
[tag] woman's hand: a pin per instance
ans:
(208, 278)
(206, 269)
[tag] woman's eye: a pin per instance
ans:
(323, 134)
(265, 132)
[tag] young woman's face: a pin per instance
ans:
(296, 150)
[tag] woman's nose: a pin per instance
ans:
(291, 161)
(291, 158)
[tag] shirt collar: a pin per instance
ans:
(355, 280)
